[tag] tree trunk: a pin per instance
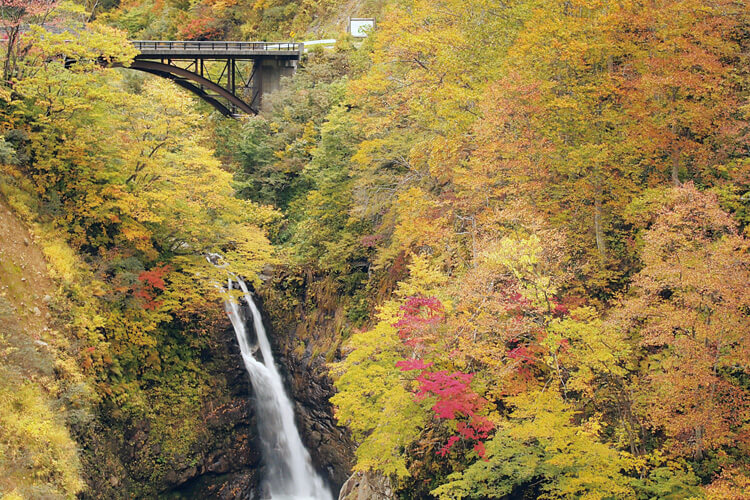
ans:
(676, 165)
(601, 244)
(10, 49)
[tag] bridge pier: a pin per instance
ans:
(267, 75)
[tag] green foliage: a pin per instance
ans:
(324, 231)
(274, 148)
(543, 441)
(125, 224)
(509, 160)
(234, 19)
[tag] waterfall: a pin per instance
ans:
(289, 471)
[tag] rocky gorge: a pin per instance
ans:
(226, 463)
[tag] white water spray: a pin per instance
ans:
(289, 471)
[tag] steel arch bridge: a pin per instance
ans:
(232, 77)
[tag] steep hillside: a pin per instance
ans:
(42, 389)
(502, 248)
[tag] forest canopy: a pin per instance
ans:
(516, 231)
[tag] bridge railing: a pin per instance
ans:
(208, 47)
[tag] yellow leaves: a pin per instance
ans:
(425, 279)
(87, 46)
(139, 237)
(419, 222)
(36, 446)
(62, 259)
(140, 189)
(541, 442)
(368, 152)
(588, 349)
(262, 4)
(522, 257)
(373, 401)
(518, 256)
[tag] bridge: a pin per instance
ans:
(232, 77)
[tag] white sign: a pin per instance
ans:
(360, 27)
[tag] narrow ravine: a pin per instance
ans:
(289, 474)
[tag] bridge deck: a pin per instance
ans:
(158, 49)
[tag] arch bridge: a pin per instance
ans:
(232, 77)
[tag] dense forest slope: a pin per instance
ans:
(512, 235)
(235, 19)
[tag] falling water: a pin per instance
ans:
(290, 474)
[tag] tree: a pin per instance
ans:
(15, 17)
(688, 312)
(541, 442)
(678, 80)
(373, 401)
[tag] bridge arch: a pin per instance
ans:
(198, 85)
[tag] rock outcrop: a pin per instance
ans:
(329, 445)
(229, 468)
(367, 486)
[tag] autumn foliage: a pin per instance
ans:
(515, 232)
(570, 211)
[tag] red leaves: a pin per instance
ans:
(371, 240)
(15, 12)
(418, 314)
(559, 310)
(412, 364)
(455, 399)
(154, 277)
(447, 448)
(519, 352)
(451, 390)
(201, 28)
(151, 282)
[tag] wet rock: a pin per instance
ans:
(232, 486)
(180, 477)
(226, 465)
(310, 387)
(367, 486)
(219, 465)
(230, 414)
(315, 437)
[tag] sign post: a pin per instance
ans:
(360, 27)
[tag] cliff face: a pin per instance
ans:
(309, 385)
(222, 460)
(229, 464)
(330, 445)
